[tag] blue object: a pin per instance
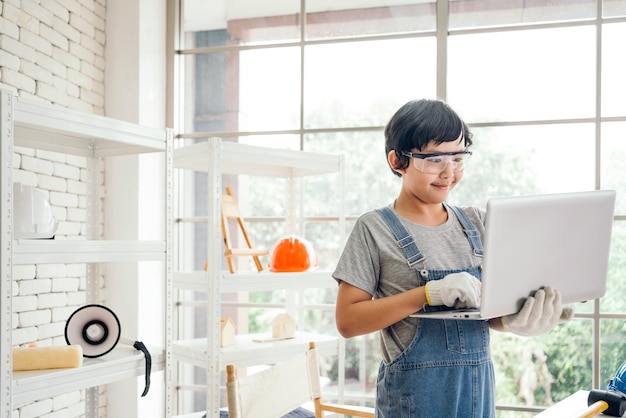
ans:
(618, 383)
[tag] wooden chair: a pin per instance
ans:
(230, 211)
(282, 388)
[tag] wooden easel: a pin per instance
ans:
(230, 210)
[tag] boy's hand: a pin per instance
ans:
(541, 313)
(461, 290)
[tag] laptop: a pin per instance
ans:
(560, 240)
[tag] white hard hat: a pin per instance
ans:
(33, 218)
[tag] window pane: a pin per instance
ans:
(269, 83)
(613, 64)
(332, 19)
(517, 160)
(613, 157)
(253, 90)
(614, 301)
(473, 13)
(614, 8)
(612, 348)
(369, 180)
(208, 86)
(543, 370)
(363, 83)
(569, 357)
(244, 22)
(523, 75)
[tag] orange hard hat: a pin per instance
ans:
(292, 254)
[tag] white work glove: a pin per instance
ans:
(541, 313)
(461, 290)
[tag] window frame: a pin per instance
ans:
(442, 32)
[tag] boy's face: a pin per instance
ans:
(430, 187)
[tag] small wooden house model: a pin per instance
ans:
(283, 327)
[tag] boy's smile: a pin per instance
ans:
(423, 192)
(433, 188)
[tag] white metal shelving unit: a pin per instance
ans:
(42, 126)
(217, 157)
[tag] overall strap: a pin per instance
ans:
(403, 238)
(470, 231)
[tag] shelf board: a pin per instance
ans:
(255, 281)
(85, 251)
(53, 128)
(123, 362)
(247, 352)
(259, 161)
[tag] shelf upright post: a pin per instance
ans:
(169, 253)
(295, 226)
(214, 276)
(92, 289)
(292, 213)
(6, 252)
(341, 375)
(342, 204)
(92, 222)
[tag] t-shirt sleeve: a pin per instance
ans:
(476, 215)
(359, 264)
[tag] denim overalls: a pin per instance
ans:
(455, 352)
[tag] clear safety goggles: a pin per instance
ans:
(437, 163)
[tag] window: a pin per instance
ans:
(540, 83)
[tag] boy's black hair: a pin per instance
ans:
(419, 122)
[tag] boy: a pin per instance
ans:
(420, 253)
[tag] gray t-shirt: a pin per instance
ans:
(373, 262)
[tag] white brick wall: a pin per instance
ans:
(53, 50)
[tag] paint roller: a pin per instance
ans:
(96, 329)
(40, 358)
